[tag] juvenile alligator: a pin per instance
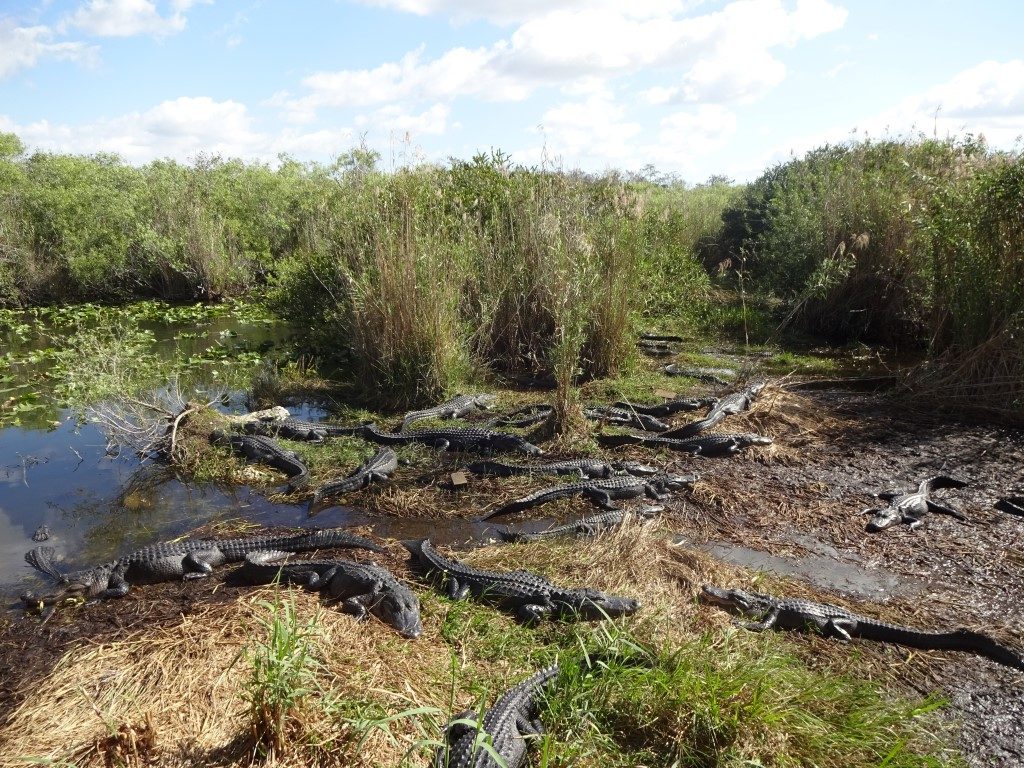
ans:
(377, 468)
(705, 375)
(585, 526)
(625, 418)
(583, 468)
(512, 718)
(729, 405)
(450, 409)
(168, 561)
(670, 407)
(833, 621)
(527, 416)
(297, 429)
(909, 508)
(454, 439)
(265, 451)
(528, 596)
(1013, 505)
(705, 445)
(362, 588)
(601, 491)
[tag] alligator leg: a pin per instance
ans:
(196, 566)
(942, 509)
(532, 612)
(601, 498)
(315, 582)
(841, 628)
(358, 606)
(912, 522)
(767, 622)
(528, 727)
(441, 444)
(457, 591)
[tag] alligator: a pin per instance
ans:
(527, 416)
(168, 561)
(362, 588)
(266, 451)
(704, 445)
(730, 405)
(455, 439)
(600, 491)
(833, 621)
(625, 418)
(704, 375)
(1013, 505)
(669, 407)
(450, 409)
(377, 468)
(528, 596)
(581, 467)
(655, 348)
(297, 429)
(660, 337)
(42, 533)
(585, 526)
(909, 508)
(504, 727)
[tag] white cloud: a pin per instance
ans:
(501, 12)
(179, 128)
(125, 18)
(23, 47)
(394, 119)
(686, 135)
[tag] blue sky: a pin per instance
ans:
(693, 88)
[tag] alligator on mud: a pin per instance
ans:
(591, 525)
(582, 468)
(601, 491)
(377, 468)
(527, 596)
(450, 409)
(704, 375)
(297, 429)
(833, 621)
(625, 417)
(730, 405)
(705, 445)
(512, 718)
(362, 588)
(265, 451)
(454, 439)
(527, 416)
(1012, 505)
(169, 561)
(910, 508)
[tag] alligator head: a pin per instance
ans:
(736, 599)
(883, 518)
(484, 401)
(594, 605)
(635, 468)
(752, 438)
(400, 608)
(679, 481)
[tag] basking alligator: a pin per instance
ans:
(833, 621)
(527, 416)
(705, 375)
(729, 405)
(705, 445)
(601, 491)
(42, 533)
(528, 596)
(512, 718)
(171, 560)
(655, 348)
(450, 409)
(297, 429)
(362, 588)
(377, 468)
(625, 418)
(581, 467)
(909, 508)
(454, 439)
(1013, 505)
(585, 526)
(265, 451)
(670, 407)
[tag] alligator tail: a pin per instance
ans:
(41, 558)
(941, 481)
(958, 640)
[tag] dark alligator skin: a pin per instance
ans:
(910, 508)
(730, 405)
(265, 451)
(469, 439)
(375, 469)
(450, 409)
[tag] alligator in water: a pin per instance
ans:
(528, 596)
(527, 416)
(833, 621)
(582, 468)
(601, 491)
(670, 407)
(169, 561)
(729, 405)
(450, 409)
(265, 451)
(42, 533)
(625, 417)
(909, 508)
(455, 439)
(297, 429)
(362, 588)
(506, 724)
(704, 445)
(590, 525)
(377, 468)
(704, 375)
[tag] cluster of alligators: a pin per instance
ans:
(367, 589)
